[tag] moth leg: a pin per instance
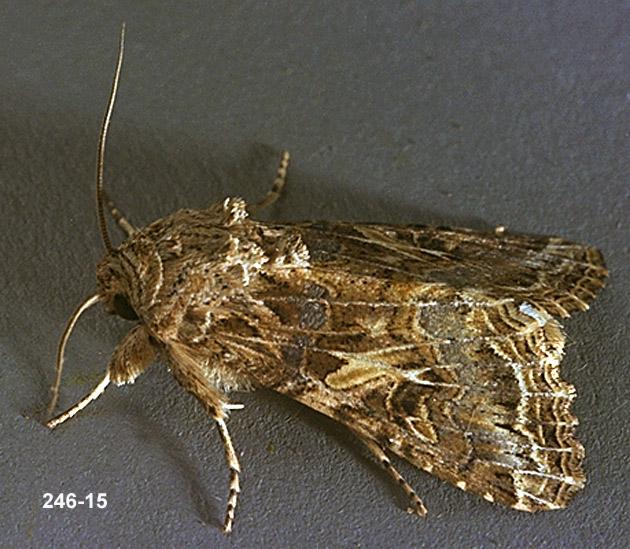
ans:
(118, 216)
(416, 506)
(278, 183)
(70, 412)
(235, 470)
(186, 372)
(133, 355)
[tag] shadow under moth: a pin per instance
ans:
(441, 346)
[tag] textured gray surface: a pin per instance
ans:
(473, 113)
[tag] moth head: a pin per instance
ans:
(114, 287)
(121, 278)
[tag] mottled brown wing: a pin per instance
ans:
(437, 344)
(558, 275)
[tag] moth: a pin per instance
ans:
(441, 346)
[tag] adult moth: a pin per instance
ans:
(441, 346)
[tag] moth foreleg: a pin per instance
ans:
(278, 184)
(119, 217)
(93, 395)
(132, 356)
(416, 506)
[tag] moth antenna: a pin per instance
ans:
(62, 348)
(100, 160)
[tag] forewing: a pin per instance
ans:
(558, 275)
(438, 345)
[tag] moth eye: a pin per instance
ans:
(123, 308)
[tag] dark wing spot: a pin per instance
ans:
(293, 352)
(312, 315)
(316, 291)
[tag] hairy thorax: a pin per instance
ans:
(176, 273)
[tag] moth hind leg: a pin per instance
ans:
(118, 216)
(416, 506)
(278, 183)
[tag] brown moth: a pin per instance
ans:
(441, 346)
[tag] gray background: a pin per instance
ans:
(471, 113)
